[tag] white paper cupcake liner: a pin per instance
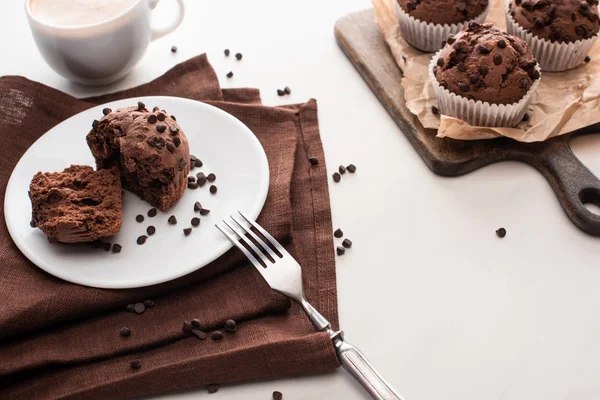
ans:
(427, 36)
(552, 56)
(478, 113)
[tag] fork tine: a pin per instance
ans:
(266, 234)
(249, 243)
(242, 248)
(256, 238)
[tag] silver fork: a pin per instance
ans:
(284, 275)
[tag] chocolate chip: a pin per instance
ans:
(187, 326)
(462, 67)
(149, 303)
(526, 117)
(174, 49)
(230, 326)
(226, 52)
(141, 106)
(106, 246)
(287, 90)
(196, 323)
(161, 128)
(347, 243)
(280, 92)
(213, 189)
(435, 110)
(539, 23)
(130, 307)
(313, 160)
(463, 86)
(152, 212)
(135, 364)
(450, 40)
(211, 177)
(139, 308)
(187, 231)
(204, 211)
(198, 163)
(139, 218)
(238, 56)
(336, 177)
(161, 117)
(497, 59)
(342, 169)
(411, 6)
(201, 335)
(212, 388)
(195, 221)
(277, 395)
(201, 179)
(338, 233)
(192, 185)
(230, 74)
(502, 43)
(474, 25)
(524, 83)
(141, 239)
(501, 232)
(95, 124)
(483, 70)
(32, 224)
(172, 220)
(151, 230)
(170, 147)
(174, 130)
(106, 111)
(216, 335)
(587, 59)
(440, 62)
(482, 49)
(177, 142)
(125, 332)
(197, 206)
(116, 248)
(174, 119)
(351, 168)
(473, 78)
(152, 119)
(155, 109)
(340, 251)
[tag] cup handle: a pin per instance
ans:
(158, 33)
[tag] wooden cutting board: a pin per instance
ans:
(359, 37)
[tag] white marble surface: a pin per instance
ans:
(442, 307)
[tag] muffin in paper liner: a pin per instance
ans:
(552, 56)
(478, 113)
(427, 36)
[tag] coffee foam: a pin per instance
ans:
(73, 13)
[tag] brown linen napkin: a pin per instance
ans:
(59, 340)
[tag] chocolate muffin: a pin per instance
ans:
(443, 11)
(76, 205)
(149, 149)
(560, 33)
(426, 23)
(484, 63)
(557, 20)
(484, 76)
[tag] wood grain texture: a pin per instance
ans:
(360, 39)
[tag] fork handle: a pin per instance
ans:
(360, 368)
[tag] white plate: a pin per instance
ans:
(225, 145)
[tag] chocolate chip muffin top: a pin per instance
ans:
(443, 11)
(562, 21)
(484, 63)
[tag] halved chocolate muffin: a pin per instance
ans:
(148, 148)
(76, 205)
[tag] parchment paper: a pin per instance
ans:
(563, 102)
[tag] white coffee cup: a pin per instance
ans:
(100, 53)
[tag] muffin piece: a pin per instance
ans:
(76, 205)
(425, 24)
(149, 149)
(557, 20)
(560, 33)
(484, 63)
(443, 11)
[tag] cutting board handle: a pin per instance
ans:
(573, 183)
